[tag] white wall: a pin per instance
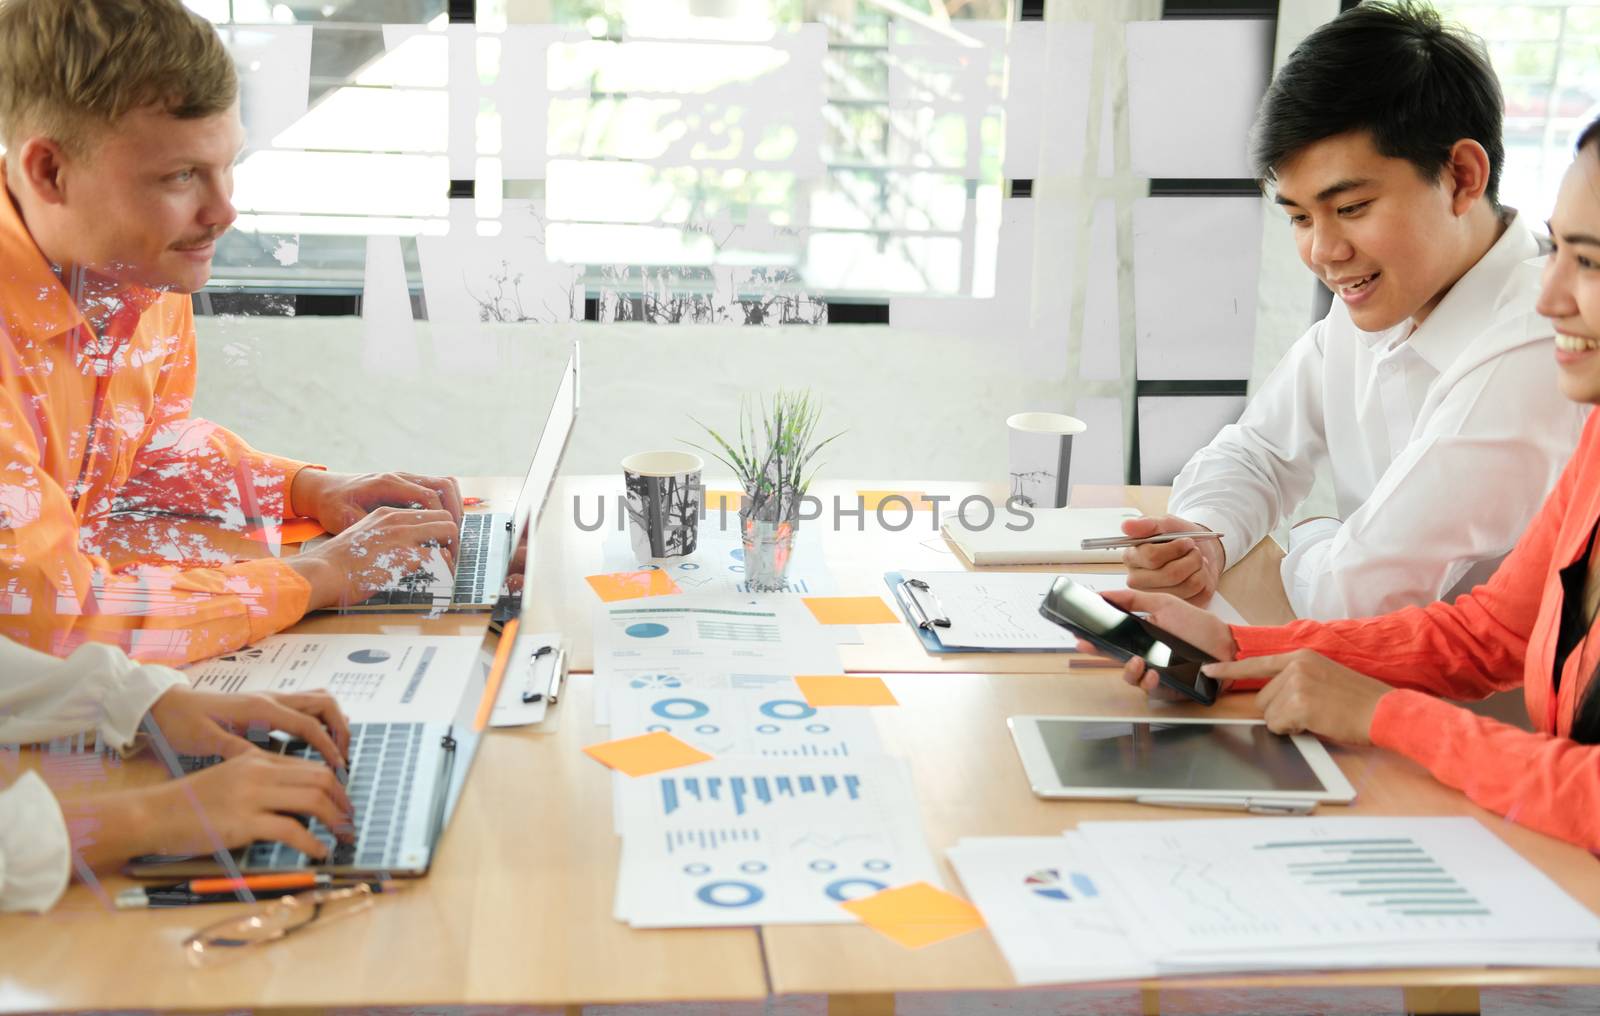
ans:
(916, 405)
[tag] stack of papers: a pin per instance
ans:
(741, 841)
(797, 813)
(1128, 899)
(697, 642)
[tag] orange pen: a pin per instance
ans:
(282, 880)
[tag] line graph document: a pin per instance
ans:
(1229, 889)
(1000, 610)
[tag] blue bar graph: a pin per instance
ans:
(745, 792)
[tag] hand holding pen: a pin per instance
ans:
(1173, 556)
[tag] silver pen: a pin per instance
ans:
(1115, 542)
(1253, 805)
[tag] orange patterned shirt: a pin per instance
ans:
(96, 441)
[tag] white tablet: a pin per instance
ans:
(1167, 760)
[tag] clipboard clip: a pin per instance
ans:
(936, 619)
(548, 689)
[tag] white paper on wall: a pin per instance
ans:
(1195, 265)
(1097, 453)
(1061, 110)
(274, 64)
(389, 340)
(1193, 87)
(1100, 353)
(1173, 427)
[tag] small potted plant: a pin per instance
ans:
(771, 460)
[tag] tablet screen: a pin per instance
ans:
(1116, 754)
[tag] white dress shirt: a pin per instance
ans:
(1442, 442)
(43, 697)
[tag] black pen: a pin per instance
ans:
(143, 899)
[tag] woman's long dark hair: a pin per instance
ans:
(1586, 721)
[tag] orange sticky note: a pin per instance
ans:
(840, 690)
(646, 754)
(723, 500)
(916, 915)
(850, 610)
(632, 585)
(292, 531)
(872, 499)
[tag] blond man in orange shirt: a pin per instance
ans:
(121, 125)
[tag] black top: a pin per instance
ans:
(1574, 619)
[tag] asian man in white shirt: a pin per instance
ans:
(1425, 391)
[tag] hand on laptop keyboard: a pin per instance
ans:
(388, 547)
(251, 797)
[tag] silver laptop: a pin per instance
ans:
(404, 778)
(486, 538)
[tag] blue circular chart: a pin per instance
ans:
(680, 709)
(877, 864)
(787, 709)
(753, 867)
(823, 865)
(846, 889)
(368, 656)
(730, 895)
(767, 728)
(708, 728)
(697, 868)
(645, 630)
(817, 728)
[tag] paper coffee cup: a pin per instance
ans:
(664, 495)
(1041, 457)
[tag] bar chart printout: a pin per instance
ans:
(1208, 887)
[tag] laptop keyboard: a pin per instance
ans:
(471, 562)
(383, 771)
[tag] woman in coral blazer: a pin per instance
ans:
(1383, 680)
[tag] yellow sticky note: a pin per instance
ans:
(840, 690)
(649, 753)
(632, 585)
(850, 610)
(292, 531)
(916, 915)
(872, 499)
(723, 500)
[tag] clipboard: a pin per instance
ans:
(922, 612)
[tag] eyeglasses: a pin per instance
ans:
(277, 920)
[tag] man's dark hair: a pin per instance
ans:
(1393, 69)
(1590, 136)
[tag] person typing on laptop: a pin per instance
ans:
(251, 796)
(1425, 389)
(120, 120)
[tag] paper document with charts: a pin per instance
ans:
(742, 840)
(774, 721)
(699, 642)
(375, 678)
(1298, 893)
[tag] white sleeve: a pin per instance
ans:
(35, 853)
(97, 687)
(1461, 492)
(1255, 471)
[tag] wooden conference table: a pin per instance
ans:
(518, 907)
